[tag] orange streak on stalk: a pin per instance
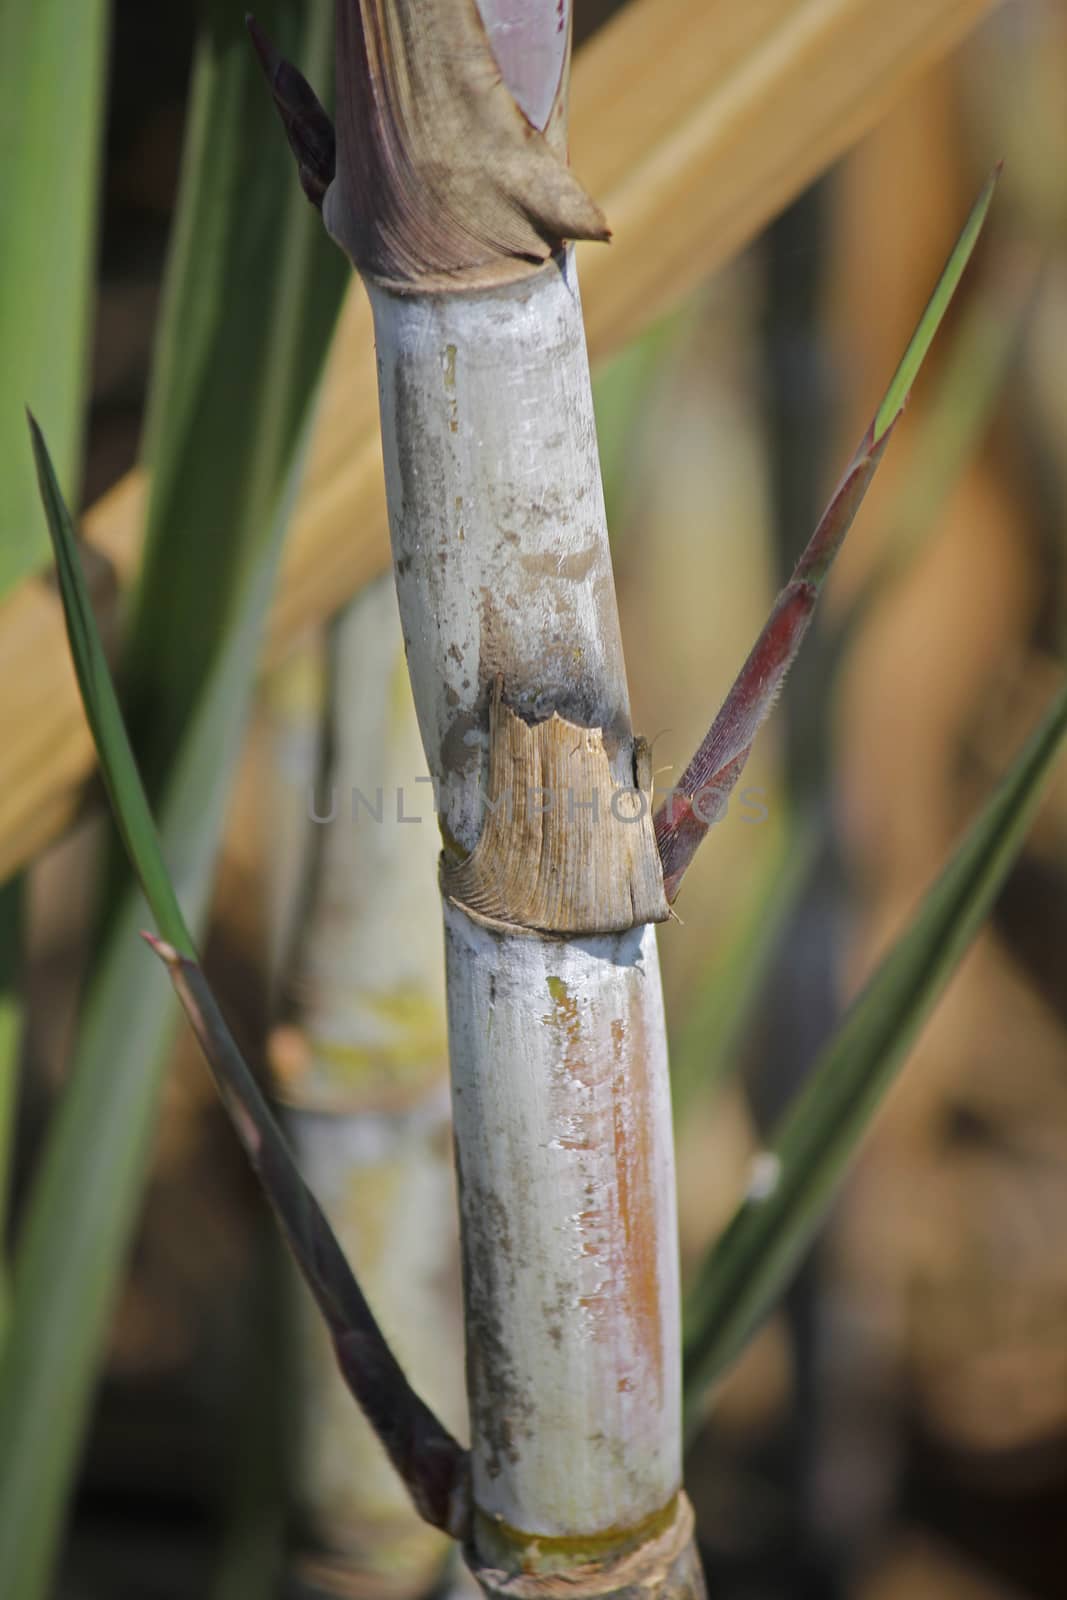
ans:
(635, 1177)
(602, 1107)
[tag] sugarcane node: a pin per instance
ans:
(565, 849)
(665, 1565)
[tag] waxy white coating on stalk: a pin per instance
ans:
(497, 519)
(561, 1099)
(562, 1117)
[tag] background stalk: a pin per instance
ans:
(362, 1069)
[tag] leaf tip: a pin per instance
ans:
(988, 190)
(897, 394)
(307, 127)
(46, 477)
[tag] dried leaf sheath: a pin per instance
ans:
(563, 849)
(438, 171)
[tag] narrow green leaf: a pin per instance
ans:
(253, 289)
(955, 422)
(921, 340)
(82, 1204)
(683, 819)
(53, 58)
(101, 704)
(753, 1260)
(426, 1455)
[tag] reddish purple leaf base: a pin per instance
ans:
(699, 799)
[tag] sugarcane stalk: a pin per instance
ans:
(455, 209)
(561, 1106)
(361, 1067)
(560, 1096)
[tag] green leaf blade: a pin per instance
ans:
(409, 1431)
(253, 289)
(53, 63)
(119, 770)
(682, 821)
(897, 394)
(754, 1258)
